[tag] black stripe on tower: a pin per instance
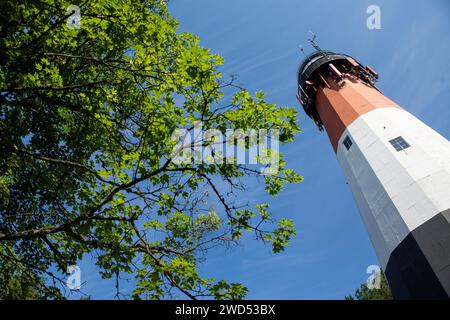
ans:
(419, 268)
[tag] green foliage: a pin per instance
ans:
(364, 293)
(224, 291)
(19, 283)
(86, 123)
(17, 288)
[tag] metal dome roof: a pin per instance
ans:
(314, 61)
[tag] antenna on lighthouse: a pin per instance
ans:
(303, 51)
(313, 43)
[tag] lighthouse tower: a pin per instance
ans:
(397, 167)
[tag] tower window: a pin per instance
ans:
(347, 142)
(399, 143)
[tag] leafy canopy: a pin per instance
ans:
(86, 120)
(364, 293)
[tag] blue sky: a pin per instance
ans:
(259, 40)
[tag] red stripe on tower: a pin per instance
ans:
(346, 100)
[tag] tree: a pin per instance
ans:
(19, 283)
(364, 293)
(86, 154)
(17, 289)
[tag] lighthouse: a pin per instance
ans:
(397, 167)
